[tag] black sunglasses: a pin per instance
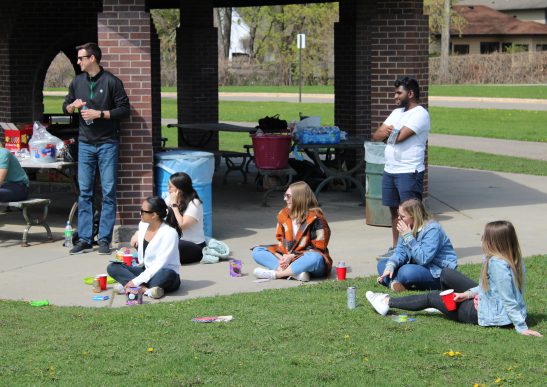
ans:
(81, 58)
(146, 212)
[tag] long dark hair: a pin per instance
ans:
(158, 206)
(187, 193)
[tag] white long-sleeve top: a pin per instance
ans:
(162, 252)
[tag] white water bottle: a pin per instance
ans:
(68, 235)
(88, 122)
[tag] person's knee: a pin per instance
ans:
(381, 266)
(111, 269)
(406, 275)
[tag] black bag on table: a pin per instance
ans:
(272, 124)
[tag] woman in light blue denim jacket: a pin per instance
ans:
(422, 251)
(496, 301)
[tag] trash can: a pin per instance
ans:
(200, 166)
(376, 214)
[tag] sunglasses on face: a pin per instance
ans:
(146, 212)
(81, 58)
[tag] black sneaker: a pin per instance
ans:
(104, 248)
(80, 248)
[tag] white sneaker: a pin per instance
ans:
(377, 300)
(303, 277)
(264, 273)
(432, 310)
(118, 288)
(155, 292)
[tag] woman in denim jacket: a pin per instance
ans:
(496, 301)
(422, 251)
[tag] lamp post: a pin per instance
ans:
(300, 44)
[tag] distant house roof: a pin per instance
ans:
(483, 20)
(505, 5)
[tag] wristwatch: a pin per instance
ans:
(174, 205)
(102, 114)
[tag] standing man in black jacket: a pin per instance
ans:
(102, 102)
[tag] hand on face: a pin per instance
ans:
(402, 227)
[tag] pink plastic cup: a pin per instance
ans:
(341, 273)
(448, 299)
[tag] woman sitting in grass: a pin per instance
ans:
(157, 243)
(496, 301)
(302, 234)
(422, 251)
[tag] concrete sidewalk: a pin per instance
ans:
(462, 200)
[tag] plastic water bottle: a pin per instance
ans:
(88, 122)
(68, 235)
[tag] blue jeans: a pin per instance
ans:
(105, 156)
(13, 192)
(167, 279)
(411, 276)
(311, 262)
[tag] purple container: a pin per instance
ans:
(235, 268)
(134, 296)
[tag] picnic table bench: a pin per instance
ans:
(25, 205)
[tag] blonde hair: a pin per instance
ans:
(303, 200)
(500, 240)
(416, 210)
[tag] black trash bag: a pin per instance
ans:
(272, 124)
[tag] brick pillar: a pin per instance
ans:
(125, 32)
(197, 66)
(399, 46)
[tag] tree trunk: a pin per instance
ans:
(445, 42)
(227, 31)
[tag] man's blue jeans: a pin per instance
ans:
(105, 156)
(411, 276)
(311, 262)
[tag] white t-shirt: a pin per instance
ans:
(195, 232)
(408, 156)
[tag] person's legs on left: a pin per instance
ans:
(13, 192)
(107, 155)
(87, 160)
(310, 262)
(418, 277)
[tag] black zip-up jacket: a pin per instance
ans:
(104, 91)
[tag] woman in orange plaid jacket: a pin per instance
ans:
(302, 234)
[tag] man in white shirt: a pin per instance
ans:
(405, 131)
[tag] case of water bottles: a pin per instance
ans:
(317, 135)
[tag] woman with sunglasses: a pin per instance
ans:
(302, 238)
(157, 244)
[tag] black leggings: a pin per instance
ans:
(190, 252)
(450, 279)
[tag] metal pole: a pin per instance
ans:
(300, 75)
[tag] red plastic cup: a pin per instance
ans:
(341, 273)
(448, 298)
(102, 281)
(128, 259)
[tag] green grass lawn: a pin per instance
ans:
(301, 336)
(505, 124)
(493, 91)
